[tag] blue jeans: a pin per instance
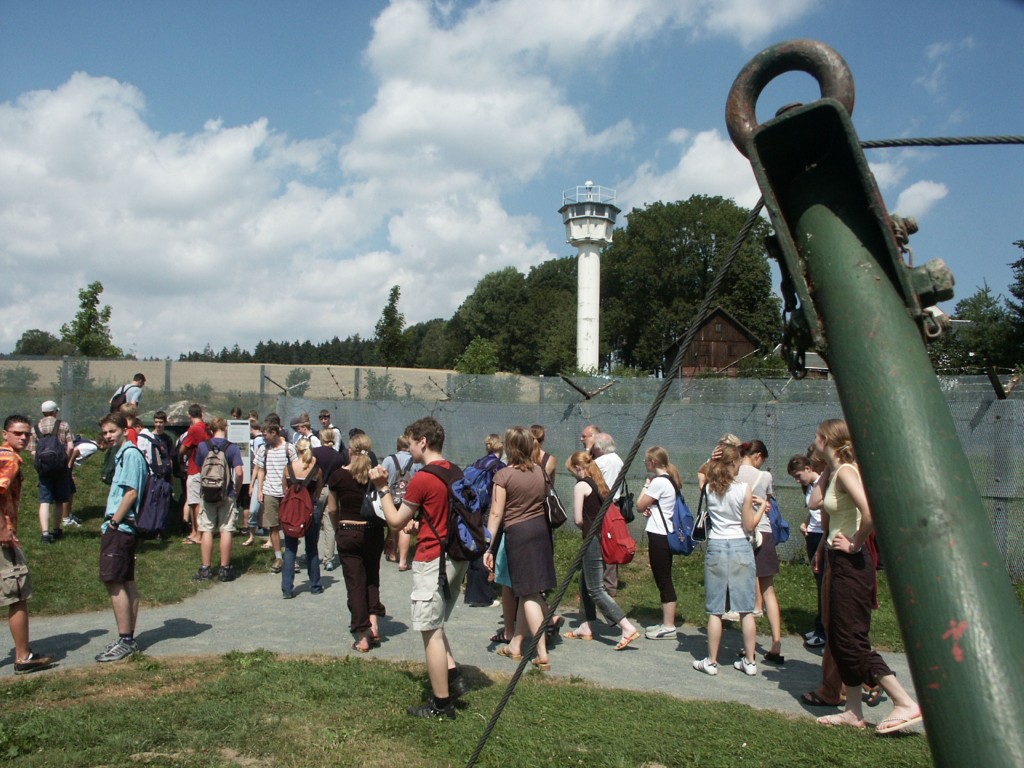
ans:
(291, 547)
(593, 594)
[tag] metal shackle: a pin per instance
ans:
(810, 56)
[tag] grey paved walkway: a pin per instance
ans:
(249, 613)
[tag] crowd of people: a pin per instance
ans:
(409, 495)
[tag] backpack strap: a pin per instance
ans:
(446, 477)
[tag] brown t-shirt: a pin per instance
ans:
(524, 493)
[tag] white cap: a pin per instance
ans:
(49, 407)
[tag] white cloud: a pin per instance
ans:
(937, 56)
(919, 198)
(255, 235)
(709, 164)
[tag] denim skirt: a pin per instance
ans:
(729, 566)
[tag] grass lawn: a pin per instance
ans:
(254, 709)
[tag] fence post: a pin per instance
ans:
(167, 376)
(67, 402)
(1002, 472)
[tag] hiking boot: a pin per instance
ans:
(430, 710)
(205, 573)
(71, 522)
(278, 566)
(706, 666)
(119, 651)
(746, 667)
(32, 664)
(226, 573)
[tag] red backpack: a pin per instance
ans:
(617, 546)
(296, 511)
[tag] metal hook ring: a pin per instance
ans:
(810, 56)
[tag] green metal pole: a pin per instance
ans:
(859, 304)
(957, 611)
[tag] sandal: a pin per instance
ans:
(811, 698)
(357, 647)
(499, 637)
(504, 651)
(543, 666)
(404, 567)
(248, 542)
(573, 634)
(624, 642)
(871, 695)
(268, 545)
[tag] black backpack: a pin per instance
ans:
(51, 453)
(161, 465)
(120, 398)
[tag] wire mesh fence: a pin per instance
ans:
(783, 413)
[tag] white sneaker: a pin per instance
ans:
(70, 522)
(660, 633)
(731, 616)
(747, 667)
(706, 666)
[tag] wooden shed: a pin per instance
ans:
(721, 342)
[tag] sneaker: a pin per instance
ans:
(317, 590)
(205, 573)
(731, 616)
(809, 635)
(430, 710)
(57, 535)
(814, 641)
(706, 666)
(32, 664)
(119, 651)
(47, 538)
(329, 566)
(71, 522)
(278, 566)
(226, 573)
(660, 633)
(747, 667)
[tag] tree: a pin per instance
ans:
(89, 332)
(297, 381)
(1015, 308)
(659, 269)
(986, 337)
(493, 312)
(480, 357)
(390, 342)
(36, 342)
(549, 318)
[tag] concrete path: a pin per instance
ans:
(249, 613)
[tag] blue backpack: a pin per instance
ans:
(474, 489)
(680, 540)
(780, 528)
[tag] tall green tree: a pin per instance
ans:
(494, 312)
(1015, 306)
(660, 267)
(549, 318)
(390, 342)
(89, 331)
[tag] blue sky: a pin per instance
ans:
(237, 171)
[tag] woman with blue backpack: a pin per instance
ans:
(477, 481)
(657, 503)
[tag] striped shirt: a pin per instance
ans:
(274, 461)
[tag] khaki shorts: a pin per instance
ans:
(269, 517)
(429, 608)
(193, 490)
(16, 583)
(217, 516)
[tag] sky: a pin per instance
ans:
(240, 171)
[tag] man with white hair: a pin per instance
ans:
(608, 461)
(53, 450)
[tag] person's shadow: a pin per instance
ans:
(58, 647)
(172, 628)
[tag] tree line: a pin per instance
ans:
(653, 278)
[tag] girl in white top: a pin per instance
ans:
(657, 503)
(729, 563)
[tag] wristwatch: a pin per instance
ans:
(383, 491)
